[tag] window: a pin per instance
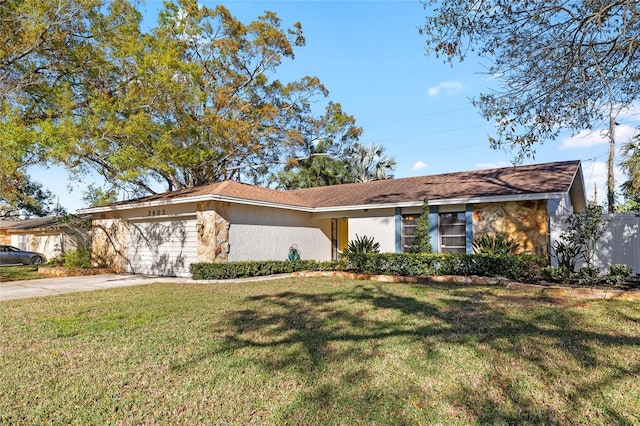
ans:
(408, 230)
(453, 235)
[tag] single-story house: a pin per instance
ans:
(47, 235)
(231, 221)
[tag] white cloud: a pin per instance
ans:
(448, 87)
(419, 165)
(586, 138)
(595, 176)
(630, 113)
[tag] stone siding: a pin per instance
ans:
(109, 243)
(213, 231)
(526, 221)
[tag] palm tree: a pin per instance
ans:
(631, 163)
(369, 162)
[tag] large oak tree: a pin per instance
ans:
(560, 64)
(191, 101)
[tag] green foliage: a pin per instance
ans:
(618, 274)
(193, 100)
(495, 244)
(562, 274)
(362, 245)
(319, 168)
(19, 195)
(233, 270)
(367, 163)
(421, 237)
(567, 253)
(621, 270)
(585, 229)
(544, 89)
(588, 276)
(79, 258)
(630, 152)
(523, 267)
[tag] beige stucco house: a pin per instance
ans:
(47, 235)
(230, 221)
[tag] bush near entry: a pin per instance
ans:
(248, 269)
(522, 267)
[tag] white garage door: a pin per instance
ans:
(162, 247)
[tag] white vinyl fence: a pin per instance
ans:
(619, 244)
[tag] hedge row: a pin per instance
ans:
(231, 270)
(521, 267)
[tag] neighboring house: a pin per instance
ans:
(230, 221)
(46, 235)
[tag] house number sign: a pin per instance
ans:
(158, 212)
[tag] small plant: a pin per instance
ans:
(567, 253)
(495, 244)
(362, 245)
(618, 274)
(561, 274)
(80, 258)
(620, 270)
(588, 275)
(421, 238)
(585, 229)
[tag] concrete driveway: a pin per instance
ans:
(49, 286)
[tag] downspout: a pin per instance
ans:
(398, 220)
(469, 228)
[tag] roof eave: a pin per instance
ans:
(403, 204)
(196, 199)
(446, 202)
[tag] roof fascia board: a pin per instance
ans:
(450, 201)
(199, 198)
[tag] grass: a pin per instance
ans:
(19, 273)
(318, 351)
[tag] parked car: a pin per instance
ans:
(10, 255)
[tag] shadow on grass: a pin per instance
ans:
(546, 361)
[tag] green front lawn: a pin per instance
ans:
(19, 273)
(318, 351)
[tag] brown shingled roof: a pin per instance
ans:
(227, 188)
(517, 180)
(508, 181)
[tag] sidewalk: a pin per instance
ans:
(49, 286)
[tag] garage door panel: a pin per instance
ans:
(163, 247)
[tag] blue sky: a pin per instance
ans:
(372, 60)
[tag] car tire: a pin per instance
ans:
(36, 260)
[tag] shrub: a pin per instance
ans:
(495, 244)
(620, 270)
(522, 267)
(567, 253)
(585, 229)
(79, 258)
(588, 275)
(421, 237)
(232, 270)
(618, 274)
(559, 275)
(361, 245)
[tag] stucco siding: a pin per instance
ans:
(263, 233)
(51, 244)
(559, 206)
(381, 227)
